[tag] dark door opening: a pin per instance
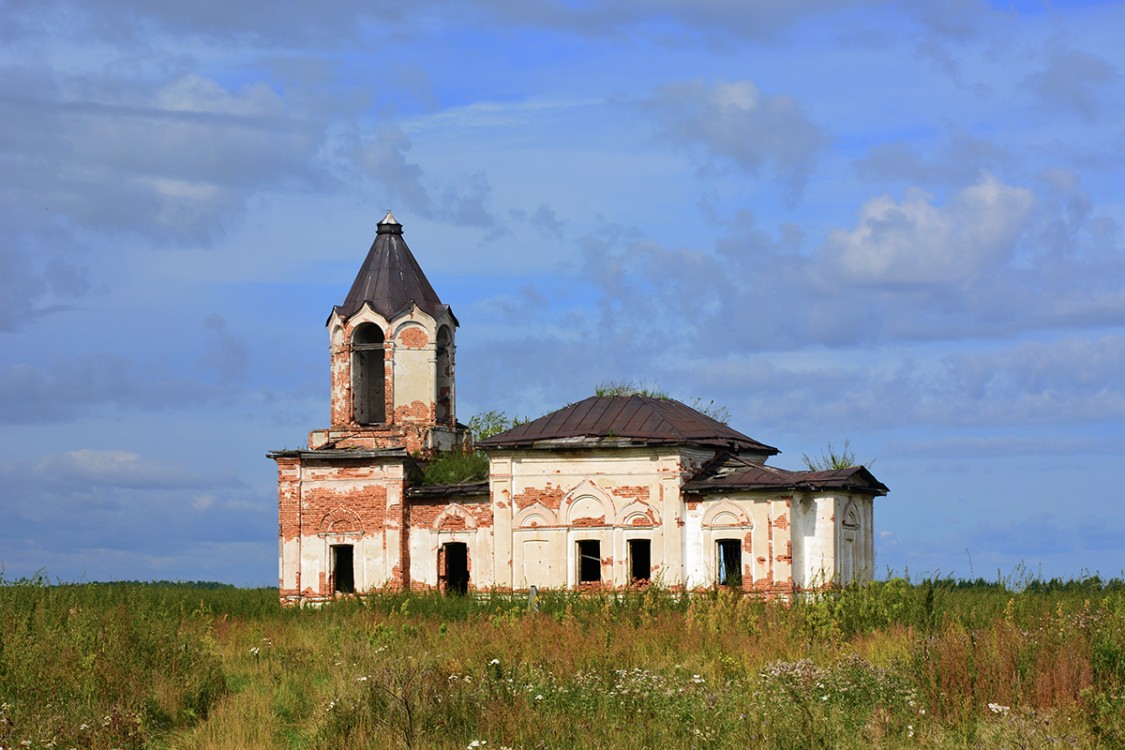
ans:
(343, 569)
(640, 559)
(730, 562)
(589, 561)
(456, 568)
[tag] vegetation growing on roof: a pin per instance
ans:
(718, 412)
(831, 459)
(460, 466)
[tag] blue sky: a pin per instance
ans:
(895, 223)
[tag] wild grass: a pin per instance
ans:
(936, 664)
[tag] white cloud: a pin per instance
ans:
(917, 242)
(734, 122)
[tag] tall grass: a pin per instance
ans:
(937, 664)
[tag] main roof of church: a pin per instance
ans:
(635, 419)
(390, 278)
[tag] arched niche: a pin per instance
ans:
(725, 513)
(638, 514)
(340, 521)
(586, 505)
(536, 515)
(454, 518)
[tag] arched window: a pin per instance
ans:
(369, 375)
(444, 394)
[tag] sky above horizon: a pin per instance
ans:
(893, 223)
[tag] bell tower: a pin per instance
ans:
(392, 347)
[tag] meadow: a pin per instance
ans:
(895, 664)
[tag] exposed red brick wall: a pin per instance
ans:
(413, 338)
(424, 514)
(627, 492)
(416, 411)
(288, 498)
(549, 496)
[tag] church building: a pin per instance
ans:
(609, 492)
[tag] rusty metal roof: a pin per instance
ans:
(730, 473)
(390, 278)
(628, 420)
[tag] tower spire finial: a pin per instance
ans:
(389, 225)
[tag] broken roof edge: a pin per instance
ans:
(463, 489)
(337, 454)
(722, 475)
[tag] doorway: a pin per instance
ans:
(456, 556)
(730, 563)
(343, 569)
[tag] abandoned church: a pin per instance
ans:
(610, 492)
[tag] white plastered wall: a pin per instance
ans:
(425, 543)
(759, 522)
(612, 496)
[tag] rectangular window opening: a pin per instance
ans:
(730, 562)
(640, 560)
(343, 569)
(589, 561)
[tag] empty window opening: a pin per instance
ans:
(444, 375)
(589, 561)
(730, 562)
(369, 375)
(456, 571)
(343, 569)
(640, 559)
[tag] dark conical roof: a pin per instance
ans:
(390, 278)
(641, 420)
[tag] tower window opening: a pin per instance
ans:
(444, 379)
(369, 374)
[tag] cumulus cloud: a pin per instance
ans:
(917, 242)
(734, 123)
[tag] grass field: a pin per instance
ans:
(936, 664)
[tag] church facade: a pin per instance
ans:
(610, 492)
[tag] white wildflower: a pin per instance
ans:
(996, 708)
(494, 662)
